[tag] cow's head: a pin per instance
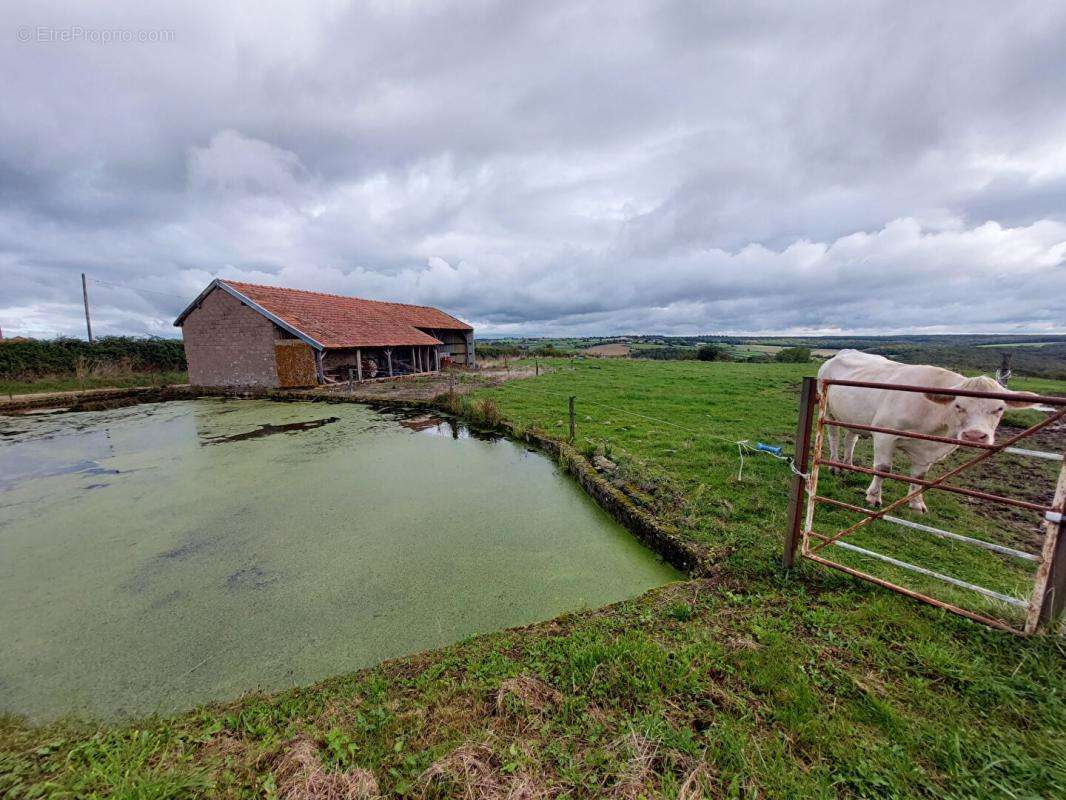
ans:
(975, 419)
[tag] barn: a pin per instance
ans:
(243, 334)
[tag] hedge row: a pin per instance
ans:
(31, 358)
(496, 350)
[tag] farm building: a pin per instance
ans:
(243, 334)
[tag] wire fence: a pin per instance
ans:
(744, 446)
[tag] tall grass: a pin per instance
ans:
(482, 413)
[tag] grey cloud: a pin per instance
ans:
(545, 167)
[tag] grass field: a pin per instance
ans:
(752, 683)
(73, 383)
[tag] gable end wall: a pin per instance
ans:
(229, 344)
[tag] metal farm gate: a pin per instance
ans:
(1048, 597)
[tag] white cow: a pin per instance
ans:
(972, 419)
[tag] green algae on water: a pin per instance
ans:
(161, 555)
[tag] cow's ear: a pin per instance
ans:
(942, 399)
(1025, 400)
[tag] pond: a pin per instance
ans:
(162, 555)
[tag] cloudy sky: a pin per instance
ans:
(540, 167)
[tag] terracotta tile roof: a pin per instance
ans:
(337, 321)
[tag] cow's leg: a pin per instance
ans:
(918, 470)
(884, 447)
(834, 445)
(850, 439)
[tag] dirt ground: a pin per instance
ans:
(616, 350)
(1012, 476)
(415, 387)
(430, 385)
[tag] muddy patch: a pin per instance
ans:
(269, 430)
(1020, 477)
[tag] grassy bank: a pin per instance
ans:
(76, 383)
(750, 684)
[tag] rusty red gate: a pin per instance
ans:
(1048, 596)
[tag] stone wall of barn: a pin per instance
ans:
(229, 344)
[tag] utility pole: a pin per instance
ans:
(85, 298)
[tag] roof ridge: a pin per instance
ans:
(329, 294)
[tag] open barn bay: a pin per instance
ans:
(162, 555)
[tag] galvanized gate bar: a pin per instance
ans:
(938, 482)
(906, 523)
(928, 437)
(928, 484)
(997, 548)
(973, 587)
(1018, 451)
(950, 392)
(1048, 599)
(829, 501)
(992, 622)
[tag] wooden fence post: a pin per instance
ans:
(808, 399)
(1055, 591)
(572, 431)
(1053, 595)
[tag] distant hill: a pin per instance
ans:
(1037, 356)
